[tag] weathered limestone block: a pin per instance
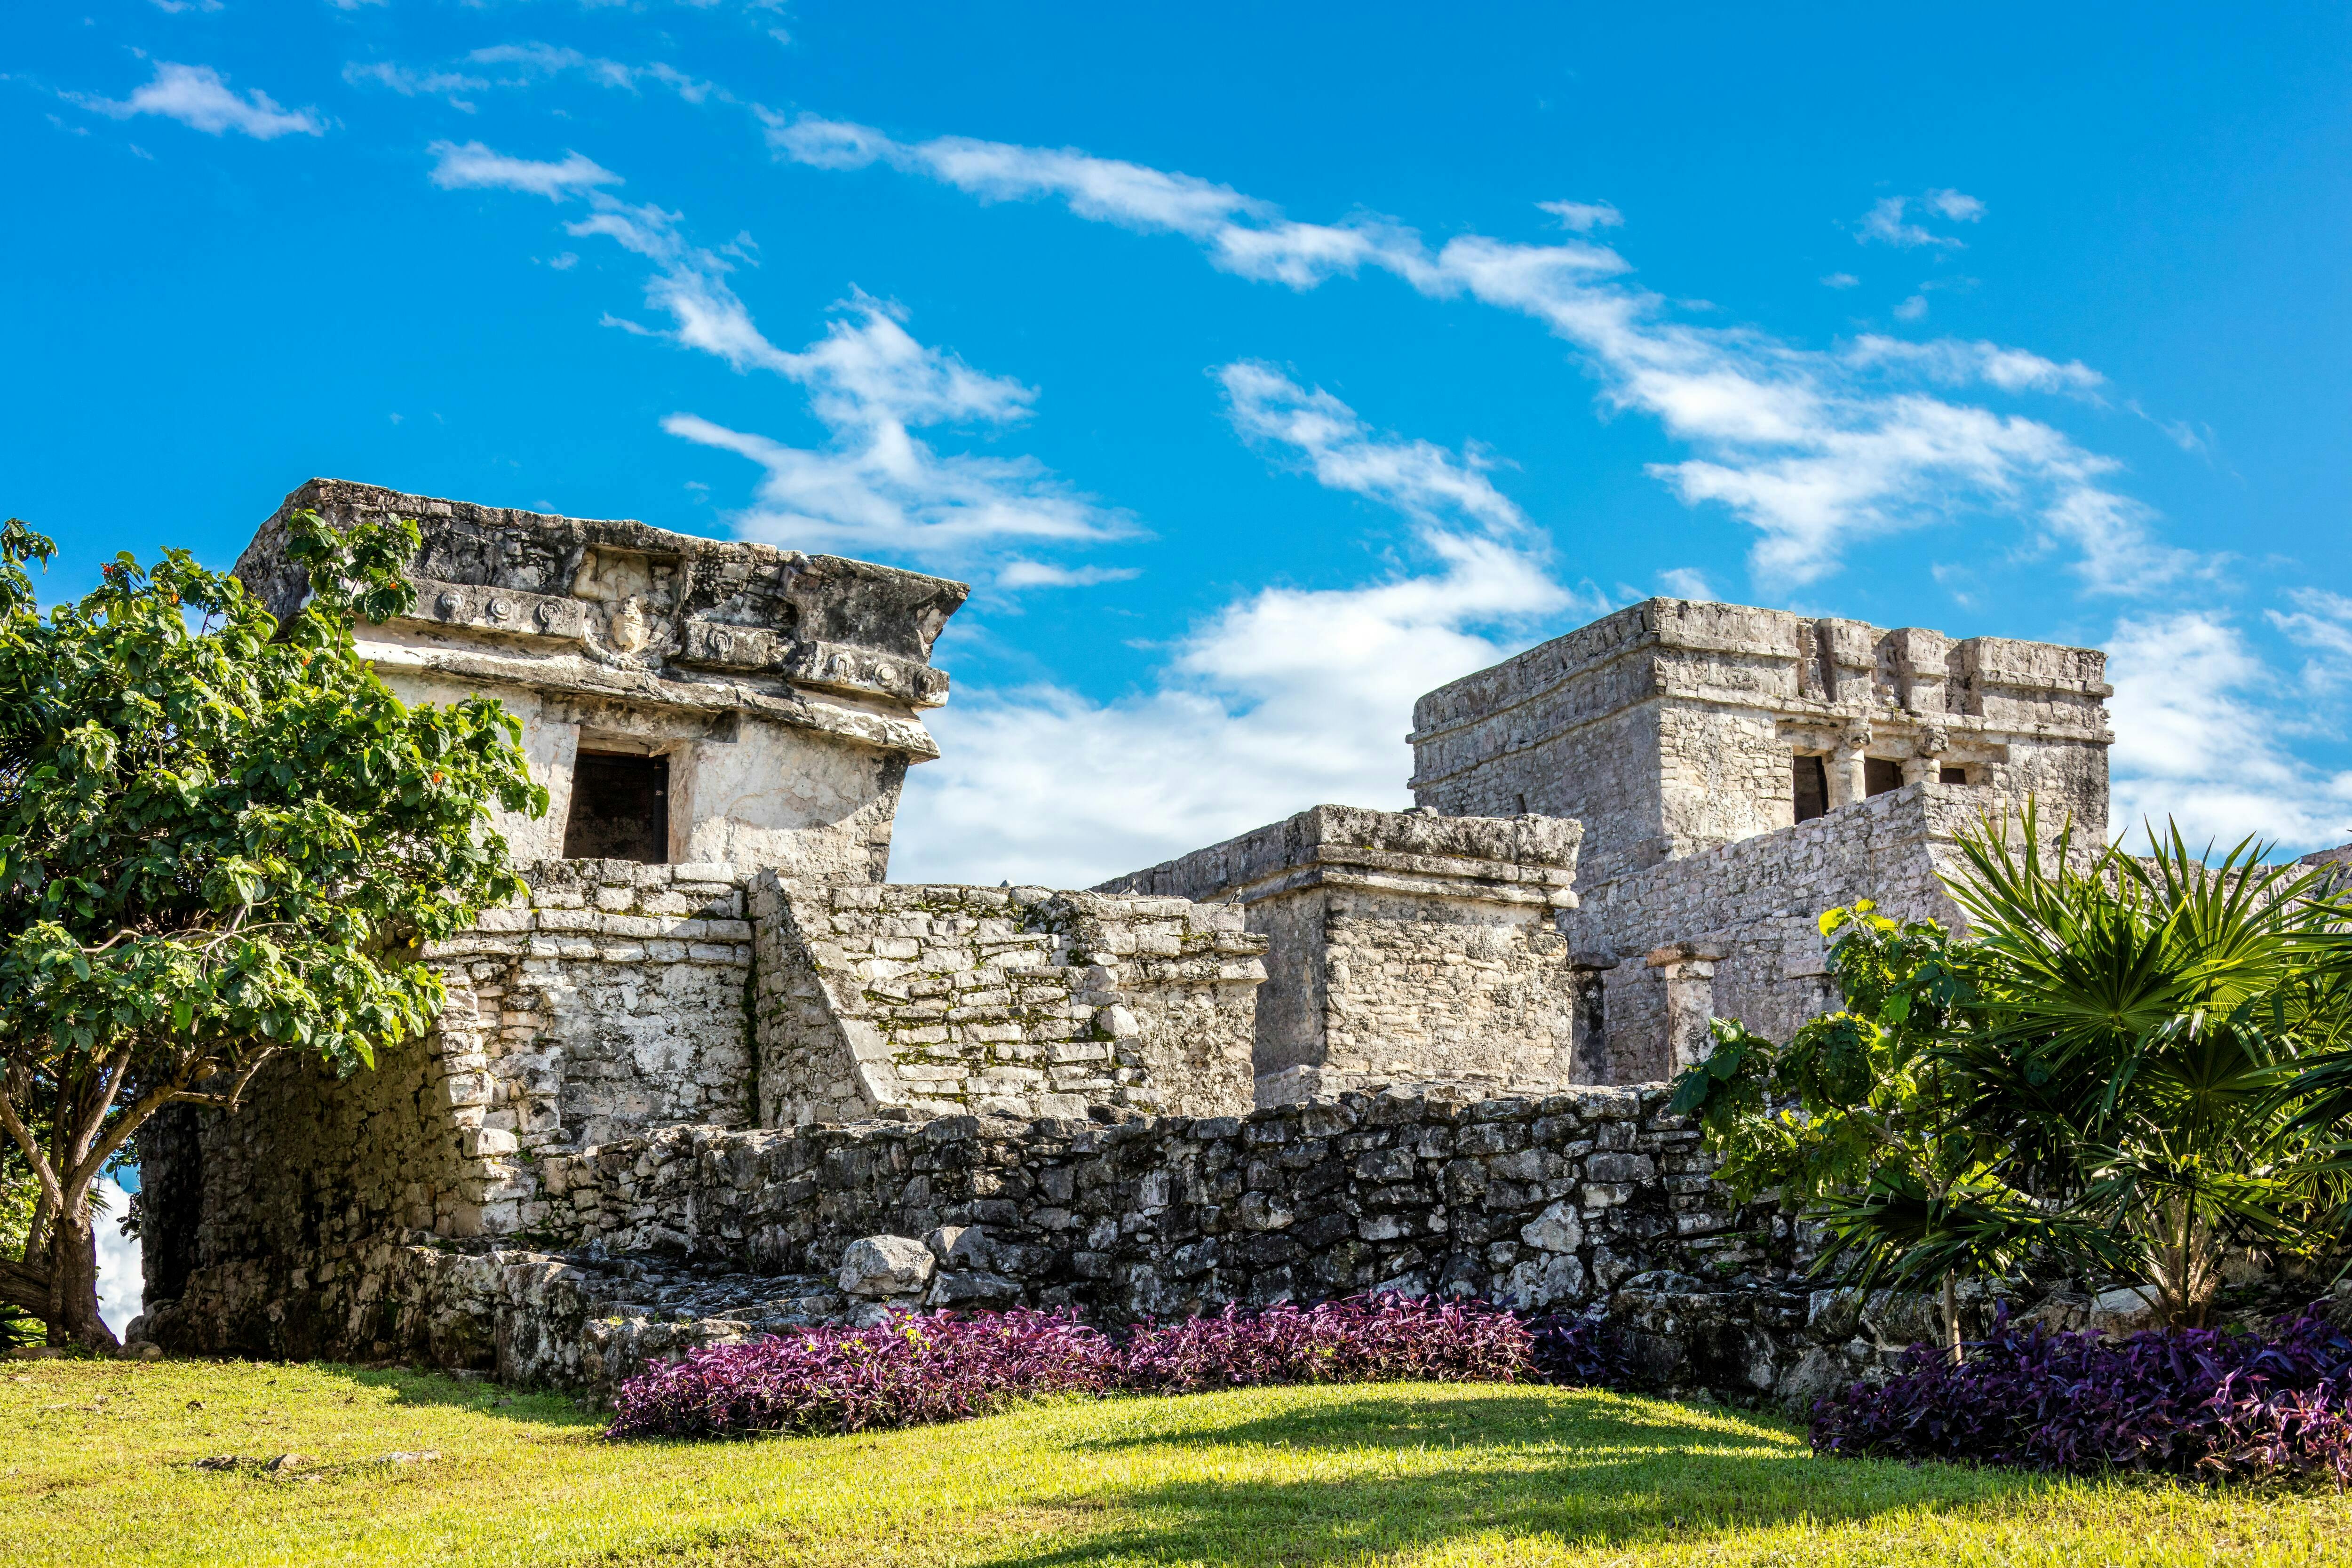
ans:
(1017, 1001)
(1403, 946)
(1672, 727)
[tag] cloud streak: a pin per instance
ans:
(1812, 449)
(199, 97)
(875, 486)
(1281, 698)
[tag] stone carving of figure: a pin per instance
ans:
(626, 625)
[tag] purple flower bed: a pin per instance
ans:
(2201, 1403)
(938, 1366)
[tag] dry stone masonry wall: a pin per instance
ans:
(1403, 946)
(1018, 1001)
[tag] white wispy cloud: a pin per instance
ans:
(1583, 217)
(2321, 625)
(1687, 583)
(1955, 205)
(2199, 738)
(411, 83)
(1317, 432)
(1840, 280)
(1281, 698)
(525, 63)
(1018, 574)
(199, 97)
(1811, 447)
(1887, 221)
(473, 166)
(875, 487)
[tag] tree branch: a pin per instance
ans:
(43, 1171)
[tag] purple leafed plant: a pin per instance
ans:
(2202, 1402)
(912, 1369)
(1583, 1353)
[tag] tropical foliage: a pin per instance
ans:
(2204, 1404)
(222, 838)
(2114, 1073)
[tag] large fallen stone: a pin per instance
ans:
(885, 1266)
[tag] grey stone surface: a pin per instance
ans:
(1669, 727)
(885, 1266)
(1403, 946)
(785, 689)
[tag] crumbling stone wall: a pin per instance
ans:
(1403, 946)
(1593, 1200)
(1550, 1202)
(1019, 1001)
(1732, 931)
(785, 689)
(609, 1003)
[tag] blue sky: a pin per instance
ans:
(1262, 367)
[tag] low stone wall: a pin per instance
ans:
(1015, 1001)
(1587, 1202)
(609, 1003)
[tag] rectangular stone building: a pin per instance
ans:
(682, 700)
(1672, 727)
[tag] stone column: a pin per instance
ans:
(1927, 763)
(1589, 1056)
(1688, 970)
(1846, 780)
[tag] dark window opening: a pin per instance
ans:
(1880, 775)
(620, 809)
(1812, 788)
(1952, 776)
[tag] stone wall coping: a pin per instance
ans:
(1737, 629)
(1487, 857)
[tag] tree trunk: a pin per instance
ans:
(1952, 1317)
(72, 1316)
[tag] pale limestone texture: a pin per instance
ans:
(1018, 1001)
(1671, 727)
(1403, 946)
(786, 689)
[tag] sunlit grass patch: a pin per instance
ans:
(100, 1467)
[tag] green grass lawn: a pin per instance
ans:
(97, 1468)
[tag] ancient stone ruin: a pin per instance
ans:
(714, 1050)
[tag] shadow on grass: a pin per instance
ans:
(1535, 1417)
(481, 1397)
(1606, 1472)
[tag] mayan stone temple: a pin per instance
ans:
(717, 1074)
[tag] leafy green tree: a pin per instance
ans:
(222, 839)
(2103, 1077)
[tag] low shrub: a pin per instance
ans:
(1583, 1353)
(1378, 1339)
(906, 1371)
(2198, 1403)
(915, 1368)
